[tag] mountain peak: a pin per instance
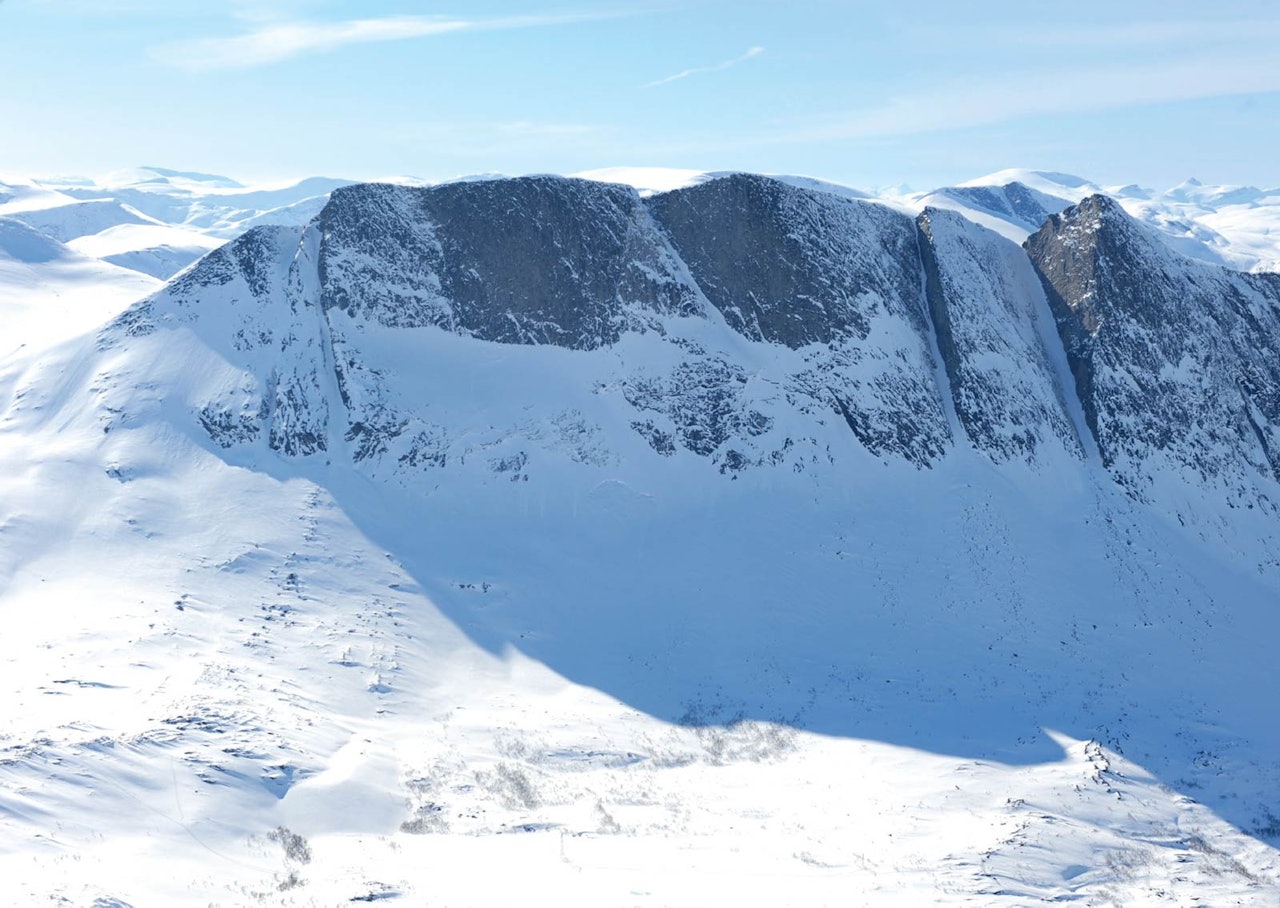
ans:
(1047, 181)
(1177, 363)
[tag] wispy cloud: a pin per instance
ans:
(1015, 96)
(979, 103)
(698, 70)
(274, 42)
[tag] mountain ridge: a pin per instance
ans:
(696, 282)
(752, 507)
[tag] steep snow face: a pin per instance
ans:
(990, 317)
(254, 303)
(1177, 364)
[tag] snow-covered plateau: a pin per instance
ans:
(640, 538)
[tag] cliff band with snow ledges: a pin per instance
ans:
(909, 332)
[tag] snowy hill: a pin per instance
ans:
(153, 220)
(744, 541)
(78, 252)
(50, 293)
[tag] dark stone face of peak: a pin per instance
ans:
(1176, 363)
(1012, 202)
(793, 266)
(1098, 266)
(254, 257)
(1073, 254)
(535, 260)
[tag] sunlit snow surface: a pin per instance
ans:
(232, 678)
(74, 253)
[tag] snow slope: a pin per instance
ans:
(154, 249)
(123, 235)
(49, 292)
(764, 553)
(153, 220)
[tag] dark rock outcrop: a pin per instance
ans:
(536, 260)
(793, 266)
(1176, 363)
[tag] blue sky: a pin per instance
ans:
(871, 94)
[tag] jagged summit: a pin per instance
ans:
(1176, 363)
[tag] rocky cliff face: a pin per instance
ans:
(744, 321)
(838, 281)
(1176, 363)
(542, 260)
(790, 266)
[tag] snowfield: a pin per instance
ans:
(310, 603)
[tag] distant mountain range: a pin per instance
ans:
(152, 220)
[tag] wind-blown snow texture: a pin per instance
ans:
(742, 529)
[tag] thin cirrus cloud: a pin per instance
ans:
(276, 42)
(751, 53)
(1085, 90)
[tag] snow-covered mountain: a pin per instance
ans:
(1235, 226)
(51, 293)
(741, 540)
(153, 220)
(74, 253)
